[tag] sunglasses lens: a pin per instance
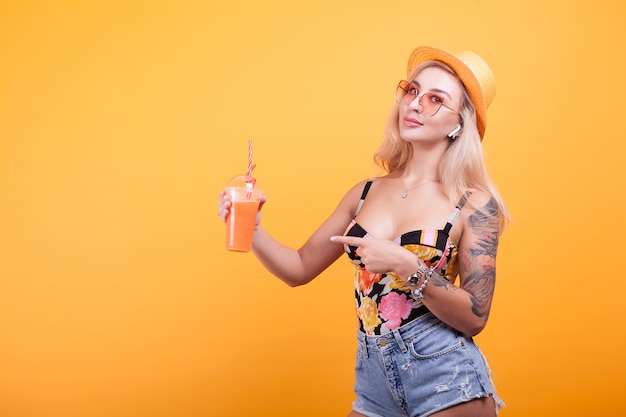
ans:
(431, 103)
(427, 104)
(401, 90)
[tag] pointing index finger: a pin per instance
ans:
(347, 240)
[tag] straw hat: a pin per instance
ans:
(473, 72)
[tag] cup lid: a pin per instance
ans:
(242, 181)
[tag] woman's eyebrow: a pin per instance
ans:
(436, 90)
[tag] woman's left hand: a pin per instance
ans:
(377, 255)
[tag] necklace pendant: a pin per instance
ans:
(405, 194)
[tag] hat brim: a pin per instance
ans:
(464, 72)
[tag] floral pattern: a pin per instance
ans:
(366, 280)
(394, 308)
(383, 301)
(368, 314)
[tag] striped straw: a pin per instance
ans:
(250, 181)
(249, 157)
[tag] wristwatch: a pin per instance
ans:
(417, 275)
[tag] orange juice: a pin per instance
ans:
(240, 225)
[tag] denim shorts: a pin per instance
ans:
(418, 369)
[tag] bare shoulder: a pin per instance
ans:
(480, 216)
(480, 207)
(478, 199)
(350, 200)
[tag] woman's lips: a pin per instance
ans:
(411, 122)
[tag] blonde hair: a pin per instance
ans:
(462, 166)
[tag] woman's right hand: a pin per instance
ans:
(224, 204)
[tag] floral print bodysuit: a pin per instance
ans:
(383, 301)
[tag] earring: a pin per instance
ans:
(453, 135)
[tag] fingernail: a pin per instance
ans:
(333, 238)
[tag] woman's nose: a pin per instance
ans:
(416, 104)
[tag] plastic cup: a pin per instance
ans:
(242, 217)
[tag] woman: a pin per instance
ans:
(409, 234)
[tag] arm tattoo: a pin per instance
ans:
(439, 281)
(481, 264)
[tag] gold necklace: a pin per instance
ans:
(405, 194)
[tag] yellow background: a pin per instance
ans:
(121, 120)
